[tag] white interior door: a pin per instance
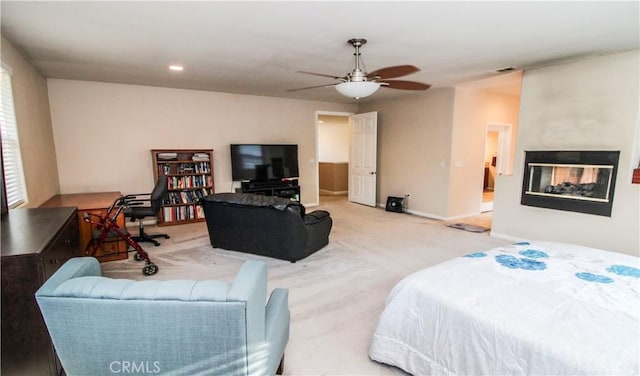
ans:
(503, 156)
(363, 152)
(503, 162)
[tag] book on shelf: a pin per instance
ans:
(200, 157)
(167, 156)
(201, 167)
(192, 181)
(182, 213)
(185, 168)
(186, 197)
(164, 169)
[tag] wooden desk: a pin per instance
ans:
(93, 203)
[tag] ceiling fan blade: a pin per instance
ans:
(392, 72)
(312, 87)
(323, 75)
(404, 85)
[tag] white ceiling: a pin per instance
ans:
(258, 47)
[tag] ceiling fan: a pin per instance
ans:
(359, 84)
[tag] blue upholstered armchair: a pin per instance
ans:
(102, 326)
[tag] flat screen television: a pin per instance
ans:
(263, 162)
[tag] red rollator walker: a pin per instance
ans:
(107, 230)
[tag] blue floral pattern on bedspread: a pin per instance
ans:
(513, 262)
(624, 270)
(594, 277)
(530, 261)
(532, 253)
(476, 255)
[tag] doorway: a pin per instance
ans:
(332, 134)
(497, 161)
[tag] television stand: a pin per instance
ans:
(281, 188)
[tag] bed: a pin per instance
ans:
(539, 308)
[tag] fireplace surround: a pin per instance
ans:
(578, 181)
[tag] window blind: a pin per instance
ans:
(11, 159)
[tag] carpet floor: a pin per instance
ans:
(336, 294)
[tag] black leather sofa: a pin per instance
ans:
(265, 225)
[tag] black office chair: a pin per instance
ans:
(138, 209)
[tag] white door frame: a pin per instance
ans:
(503, 159)
(318, 113)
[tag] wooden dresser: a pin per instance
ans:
(35, 243)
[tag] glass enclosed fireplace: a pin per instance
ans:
(580, 181)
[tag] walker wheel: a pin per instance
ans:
(138, 257)
(150, 269)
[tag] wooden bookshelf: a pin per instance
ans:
(190, 177)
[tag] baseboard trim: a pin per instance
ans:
(433, 216)
(415, 212)
(145, 222)
(425, 215)
(498, 235)
(463, 216)
(333, 193)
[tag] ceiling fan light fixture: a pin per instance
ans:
(357, 89)
(359, 84)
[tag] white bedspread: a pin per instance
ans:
(526, 309)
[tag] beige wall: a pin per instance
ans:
(474, 109)
(432, 146)
(103, 132)
(590, 104)
(414, 143)
(34, 127)
(333, 139)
